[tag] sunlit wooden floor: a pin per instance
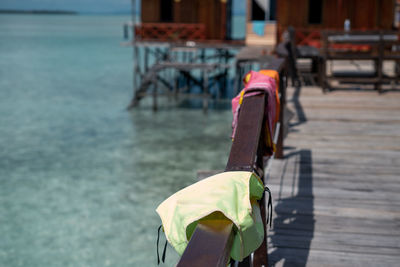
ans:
(337, 192)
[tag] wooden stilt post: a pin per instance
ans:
(155, 85)
(238, 74)
(136, 74)
(203, 73)
(136, 67)
(146, 59)
(205, 91)
(225, 78)
(134, 55)
(380, 61)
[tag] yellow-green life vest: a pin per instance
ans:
(233, 194)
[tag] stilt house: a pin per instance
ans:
(172, 20)
(309, 17)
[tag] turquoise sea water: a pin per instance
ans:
(80, 177)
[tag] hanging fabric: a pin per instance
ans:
(233, 195)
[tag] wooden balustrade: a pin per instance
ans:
(170, 31)
(210, 244)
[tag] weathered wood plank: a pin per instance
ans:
(332, 193)
(334, 223)
(339, 156)
(321, 258)
(349, 242)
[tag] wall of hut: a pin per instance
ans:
(211, 13)
(331, 14)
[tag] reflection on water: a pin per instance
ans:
(80, 177)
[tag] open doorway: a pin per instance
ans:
(258, 8)
(315, 11)
(166, 10)
(263, 10)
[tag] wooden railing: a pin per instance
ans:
(211, 242)
(170, 31)
(314, 36)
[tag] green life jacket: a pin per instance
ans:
(233, 194)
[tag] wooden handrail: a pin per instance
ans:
(245, 145)
(170, 31)
(211, 242)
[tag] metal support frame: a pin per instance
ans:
(182, 59)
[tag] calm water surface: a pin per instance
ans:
(80, 177)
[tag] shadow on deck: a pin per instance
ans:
(336, 191)
(294, 215)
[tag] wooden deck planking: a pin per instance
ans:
(336, 194)
(327, 258)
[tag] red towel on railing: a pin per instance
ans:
(263, 82)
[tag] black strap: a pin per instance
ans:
(269, 215)
(164, 251)
(165, 247)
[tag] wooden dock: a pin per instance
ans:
(336, 193)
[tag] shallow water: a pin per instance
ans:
(80, 177)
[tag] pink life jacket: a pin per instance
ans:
(258, 83)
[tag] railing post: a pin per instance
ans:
(281, 66)
(282, 120)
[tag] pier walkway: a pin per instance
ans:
(336, 192)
